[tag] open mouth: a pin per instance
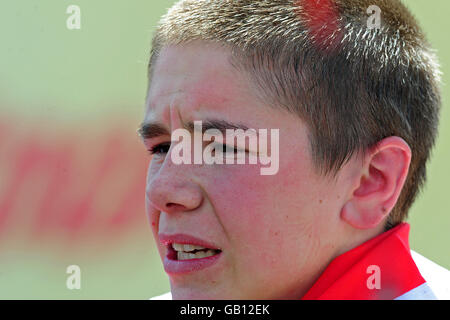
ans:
(178, 251)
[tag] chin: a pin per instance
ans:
(190, 294)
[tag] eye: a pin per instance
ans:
(161, 148)
(231, 150)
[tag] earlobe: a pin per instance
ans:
(362, 219)
(378, 187)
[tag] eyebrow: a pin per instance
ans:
(149, 130)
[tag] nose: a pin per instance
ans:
(171, 188)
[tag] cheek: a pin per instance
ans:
(284, 214)
(269, 212)
(153, 215)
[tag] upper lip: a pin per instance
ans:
(181, 238)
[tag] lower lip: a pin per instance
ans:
(172, 266)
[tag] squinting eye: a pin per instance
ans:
(159, 149)
(230, 150)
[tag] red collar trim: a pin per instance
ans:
(348, 275)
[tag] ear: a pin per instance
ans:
(383, 174)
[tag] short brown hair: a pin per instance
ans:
(352, 85)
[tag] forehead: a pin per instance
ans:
(197, 77)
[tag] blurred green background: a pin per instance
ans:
(70, 103)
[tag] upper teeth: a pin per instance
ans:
(186, 247)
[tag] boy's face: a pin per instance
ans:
(277, 232)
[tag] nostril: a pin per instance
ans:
(173, 206)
